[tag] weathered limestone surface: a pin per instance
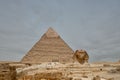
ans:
(50, 48)
(7, 72)
(70, 71)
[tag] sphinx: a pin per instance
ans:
(81, 56)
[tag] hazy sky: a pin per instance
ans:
(93, 25)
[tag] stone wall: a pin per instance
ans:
(7, 72)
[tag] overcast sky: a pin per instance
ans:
(93, 25)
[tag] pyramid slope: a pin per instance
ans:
(50, 48)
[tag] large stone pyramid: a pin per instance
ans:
(50, 48)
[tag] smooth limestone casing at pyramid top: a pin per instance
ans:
(50, 48)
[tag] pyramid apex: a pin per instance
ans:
(50, 28)
(51, 32)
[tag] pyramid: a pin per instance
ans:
(50, 48)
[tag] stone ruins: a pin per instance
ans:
(7, 72)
